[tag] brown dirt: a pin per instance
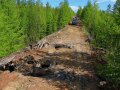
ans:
(74, 69)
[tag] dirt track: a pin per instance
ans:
(74, 69)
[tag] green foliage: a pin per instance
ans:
(116, 11)
(11, 35)
(105, 31)
(55, 19)
(79, 12)
(49, 17)
(24, 22)
(65, 14)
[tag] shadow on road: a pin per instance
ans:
(72, 70)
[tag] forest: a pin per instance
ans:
(104, 28)
(24, 22)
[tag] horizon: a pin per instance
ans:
(74, 4)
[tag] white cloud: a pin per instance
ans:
(102, 1)
(74, 8)
(113, 0)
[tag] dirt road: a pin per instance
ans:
(73, 69)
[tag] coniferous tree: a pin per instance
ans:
(11, 34)
(23, 22)
(109, 8)
(55, 19)
(79, 12)
(49, 19)
(65, 14)
(116, 11)
(106, 34)
(40, 19)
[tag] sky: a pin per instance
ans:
(74, 4)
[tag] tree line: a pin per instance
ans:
(104, 28)
(23, 22)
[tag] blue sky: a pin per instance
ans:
(74, 4)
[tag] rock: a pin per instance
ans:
(102, 83)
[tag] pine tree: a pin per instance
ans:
(116, 11)
(49, 19)
(106, 34)
(55, 19)
(11, 34)
(23, 22)
(79, 12)
(109, 8)
(40, 19)
(65, 14)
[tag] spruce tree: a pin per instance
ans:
(24, 22)
(65, 14)
(11, 34)
(55, 19)
(79, 12)
(116, 11)
(49, 19)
